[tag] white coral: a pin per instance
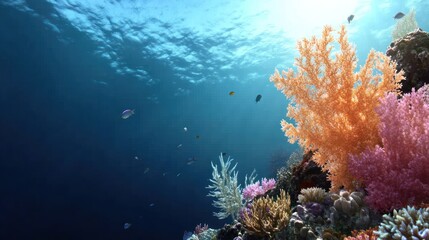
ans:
(226, 189)
(406, 223)
(405, 25)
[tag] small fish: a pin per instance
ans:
(258, 98)
(178, 174)
(350, 18)
(223, 154)
(185, 129)
(231, 93)
(164, 173)
(136, 158)
(100, 82)
(127, 113)
(399, 15)
(191, 160)
(127, 225)
(197, 137)
(146, 170)
(152, 204)
(179, 146)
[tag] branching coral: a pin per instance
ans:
(268, 216)
(226, 189)
(407, 223)
(333, 107)
(396, 172)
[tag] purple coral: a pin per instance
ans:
(258, 188)
(396, 173)
(315, 208)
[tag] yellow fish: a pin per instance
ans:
(231, 93)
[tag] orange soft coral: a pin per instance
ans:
(333, 107)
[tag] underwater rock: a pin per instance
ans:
(411, 54)
(306, 174)
(230, 231)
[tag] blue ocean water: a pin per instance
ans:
(72, 168)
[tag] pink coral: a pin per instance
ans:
(363, 235)
(396, 173)
(258, 188)
(200, 229)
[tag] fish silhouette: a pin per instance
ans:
(399, 15)
(350, 18)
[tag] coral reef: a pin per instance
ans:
(332, 218)
(395, 173)
(267, 216)
(405, 25)
(363, 142)
(334, 107)
(406, 223)
(411, 54)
